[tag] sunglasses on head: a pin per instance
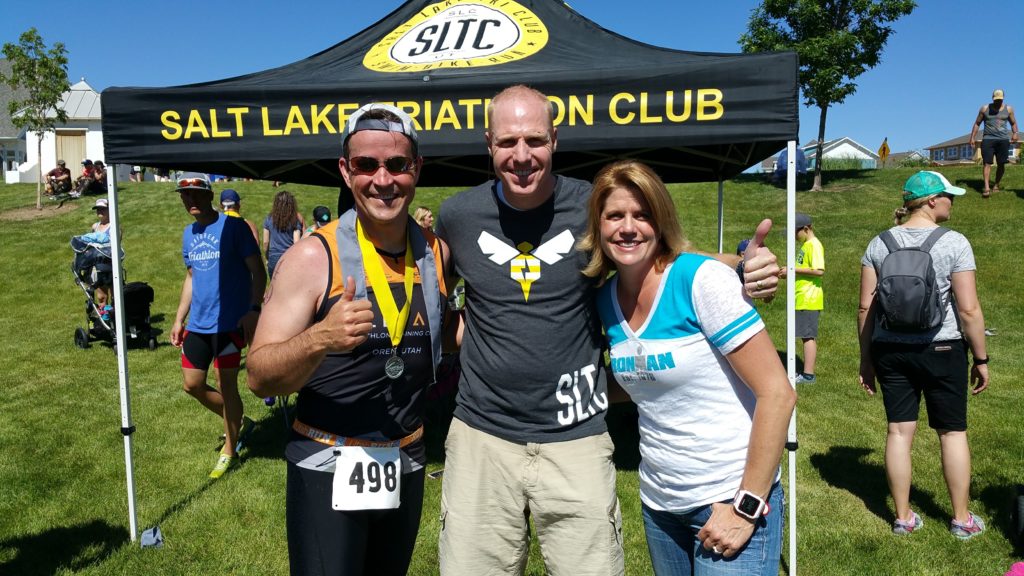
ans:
(370, 165)
(193, 183)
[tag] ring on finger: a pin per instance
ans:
(716, 550)
(759, 285)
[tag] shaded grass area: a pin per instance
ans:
(63, 503)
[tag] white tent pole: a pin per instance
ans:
(791, 442)
(122, 353)
(721, 214)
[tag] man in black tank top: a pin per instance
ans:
(351, 322)
(999, 134)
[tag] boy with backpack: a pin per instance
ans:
(810, 297)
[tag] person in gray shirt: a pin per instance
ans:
(1000, 131)
(529, 436)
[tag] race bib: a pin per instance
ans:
(367, 478)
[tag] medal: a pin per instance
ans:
(394, 367)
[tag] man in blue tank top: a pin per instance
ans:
(999, 134)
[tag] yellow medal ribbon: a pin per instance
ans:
(394, 320)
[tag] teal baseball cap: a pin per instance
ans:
(927, 183)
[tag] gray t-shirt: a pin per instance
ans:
(951, 253)
(532, 368)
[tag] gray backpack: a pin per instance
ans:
(908, 293)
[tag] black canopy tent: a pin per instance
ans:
(694, 117)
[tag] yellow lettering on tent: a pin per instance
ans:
(613, 108)
(487, 117)
(170, 119)
(646, 118)
(469, 104)
(267, 130)
(214, 131)
(195, 124)
(446, 115)
(577, 108)
(237, 113)
(344, 111)
(428, 120)
(295, 121)
(559, 110)
(413, 110)
(319, 116)
(670, 100)
(709, 104)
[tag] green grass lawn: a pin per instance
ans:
(63, 502)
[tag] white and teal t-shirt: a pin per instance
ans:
(695, 412)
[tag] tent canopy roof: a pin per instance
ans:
(693, 116)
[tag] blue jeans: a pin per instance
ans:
(675, 549)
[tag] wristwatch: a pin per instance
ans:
(750, 505)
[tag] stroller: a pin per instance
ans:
(92, 267)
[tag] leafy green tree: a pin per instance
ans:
(43, 73)
(837, 40)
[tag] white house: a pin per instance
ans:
(12, 141)
(79, 138)
(842, 148)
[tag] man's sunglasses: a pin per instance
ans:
(194, 183)
(369, 165)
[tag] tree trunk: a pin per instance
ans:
(39, 165)
(821, 148)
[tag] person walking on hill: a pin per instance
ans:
(927, 356)
(999, 133)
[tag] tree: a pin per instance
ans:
(43, 73)
(837, 41)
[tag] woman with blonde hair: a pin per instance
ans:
(424, 217)
(281, 228)
(693, 354)
(929, 359)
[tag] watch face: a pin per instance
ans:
(749, 505)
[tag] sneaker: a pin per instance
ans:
(243, 432)
(967, 530)
(806, 379)
(903, 527)
(223, 463)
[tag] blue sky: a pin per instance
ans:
(938, 68)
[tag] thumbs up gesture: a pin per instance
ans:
(349, 321)
(760, 267)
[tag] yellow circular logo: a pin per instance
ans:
(459, 34)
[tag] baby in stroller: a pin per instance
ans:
(94, 273)
(93, 268)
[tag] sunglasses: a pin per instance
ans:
(194, 183)
(395, 164)
(946, 195)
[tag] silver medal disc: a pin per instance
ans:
(394, 367)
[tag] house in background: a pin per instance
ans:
(840, 149)
(79, 138)
(959, 151)
(897, 159)
(12, 138)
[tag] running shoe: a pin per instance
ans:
(967, 530)
(806, 379)
(903, 527)
(223, 463)
(243, 432)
